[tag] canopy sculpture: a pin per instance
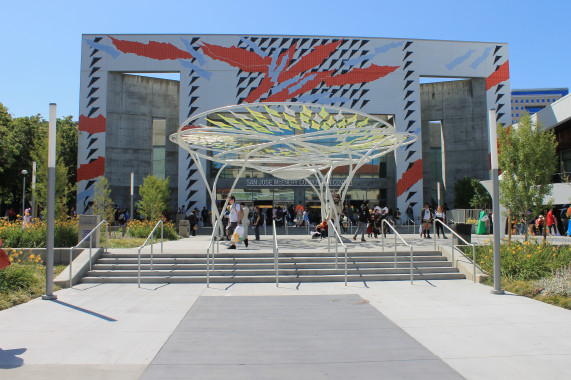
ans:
(290, 141)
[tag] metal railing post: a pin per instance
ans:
(411, 268)
(70, 265)
(395, 250)
(434, 234)
(139, 267)
(335, 251)
(452, 242)
(208, 268)
(345, 266)
(474, 261)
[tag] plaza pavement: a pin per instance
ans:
(429, 330)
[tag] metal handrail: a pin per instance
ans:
(452, 242)
(143, 246)
(338, 239)
(212, 238)
(276, 252)
(89, 235)
(384, 221)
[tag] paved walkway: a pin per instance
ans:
(124, 332)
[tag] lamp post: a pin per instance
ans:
(24, 174)
(496, 201)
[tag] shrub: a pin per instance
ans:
(524, 261)
(35, 236)
(142, 229)
(556, 285)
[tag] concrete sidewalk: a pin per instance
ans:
(116, 331)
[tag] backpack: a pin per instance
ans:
(364, 215)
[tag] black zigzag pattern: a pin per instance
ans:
(335, 62)
(409, 109)
(500, 92)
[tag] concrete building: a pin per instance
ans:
(534, 100)
(125, 119)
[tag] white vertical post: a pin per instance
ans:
(495, 201)
(51, 204)
(132, 194)
(34, 209)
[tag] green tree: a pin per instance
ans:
(64, 189)
(102, 203)
(463, 193)
(17, 139)
(154, 197)
(527, 160)
(481, 197)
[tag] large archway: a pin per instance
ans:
(290, 141)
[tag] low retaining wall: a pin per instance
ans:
(61, 255)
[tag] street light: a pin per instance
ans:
(24, 174)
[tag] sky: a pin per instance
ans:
(41, 40)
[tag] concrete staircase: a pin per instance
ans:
(243, 266)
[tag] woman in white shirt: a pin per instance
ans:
(440, 215)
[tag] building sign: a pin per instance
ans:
(274, 182)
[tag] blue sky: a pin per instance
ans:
(41, 40)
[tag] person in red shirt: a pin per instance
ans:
(299, 214)
(550, 221)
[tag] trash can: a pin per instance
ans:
(184, 228)
(465, 231)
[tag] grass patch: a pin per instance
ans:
(126, 242)
(529, 289)
(20, 283)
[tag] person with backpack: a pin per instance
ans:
(363, 219)
(234, 219)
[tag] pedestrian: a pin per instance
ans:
(363, 219)
(441, 216)
(409, 215)
(550, 221)
(245, 221)
(482, 223)
(234, 219)
(258, 220)
(193, 222)
(299, 214)
(122, 221)
(426, 220)
(27, 219)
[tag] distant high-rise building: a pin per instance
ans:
(534, 100)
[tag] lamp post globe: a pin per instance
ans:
(24, 174)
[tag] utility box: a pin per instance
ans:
(184, 228)
(465, 231)
(85, 225)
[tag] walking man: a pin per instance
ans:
(363, 218)
(234, 218)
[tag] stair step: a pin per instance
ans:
(282, 264)
(266, 272)
(272, 279)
